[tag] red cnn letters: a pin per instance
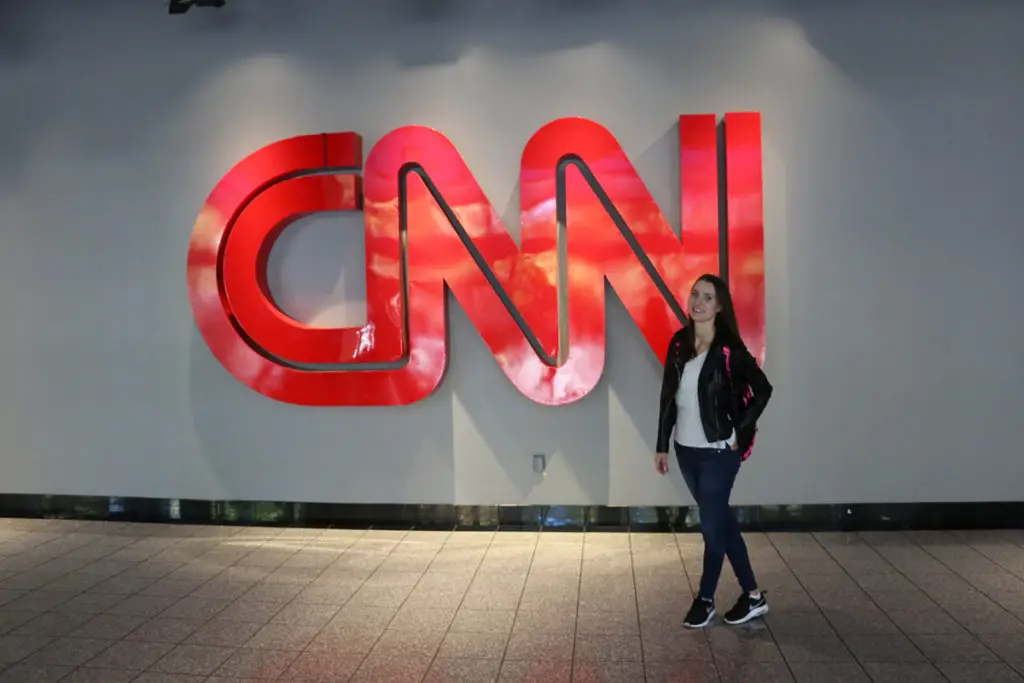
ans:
(430, 229)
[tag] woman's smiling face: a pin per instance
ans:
(704, 304)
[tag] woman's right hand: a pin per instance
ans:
(661, 462)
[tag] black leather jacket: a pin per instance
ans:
(732, 390)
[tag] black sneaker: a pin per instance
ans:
(700, 615)
(747, 608)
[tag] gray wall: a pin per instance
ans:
(893, 179)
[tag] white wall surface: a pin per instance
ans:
(893, 179)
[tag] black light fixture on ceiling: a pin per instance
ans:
(182, 6)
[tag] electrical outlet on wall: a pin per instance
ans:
(540, 463)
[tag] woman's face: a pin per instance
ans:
(704, 304)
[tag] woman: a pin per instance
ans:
(712, 394)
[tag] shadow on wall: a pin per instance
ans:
(434, 31)
(413, 462)
(17, 29)
(867, 43)
(509, 432)
(356, 33)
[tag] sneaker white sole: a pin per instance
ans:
(711, 617)
(753, 614)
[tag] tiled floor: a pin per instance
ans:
(111, 603)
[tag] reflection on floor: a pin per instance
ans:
(111, 602)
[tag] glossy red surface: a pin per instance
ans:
(745, 225)
(454, 239)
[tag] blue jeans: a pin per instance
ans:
(709, 474)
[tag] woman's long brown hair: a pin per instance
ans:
(725, 319)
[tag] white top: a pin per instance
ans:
(689, 428)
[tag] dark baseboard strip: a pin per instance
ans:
(847, 517)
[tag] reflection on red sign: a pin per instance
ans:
(429, 229)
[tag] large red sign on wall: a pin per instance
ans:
(428, 227)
